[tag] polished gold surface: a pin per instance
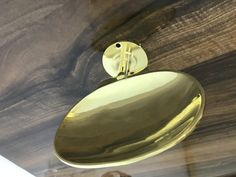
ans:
(123, 59)
(130, 120)
(50, 59)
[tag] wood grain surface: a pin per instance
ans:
(50, 58)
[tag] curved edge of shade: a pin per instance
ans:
(187, 131)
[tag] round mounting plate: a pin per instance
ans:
(124, 50)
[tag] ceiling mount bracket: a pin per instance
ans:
(124, 59)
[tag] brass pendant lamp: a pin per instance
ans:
(136, 117)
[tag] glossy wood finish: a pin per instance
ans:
(50, 58)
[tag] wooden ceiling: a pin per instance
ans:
(50, 58)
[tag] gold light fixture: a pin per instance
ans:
(134, 118)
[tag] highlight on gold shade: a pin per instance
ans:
(130, 120)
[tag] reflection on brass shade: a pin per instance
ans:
(130, 120)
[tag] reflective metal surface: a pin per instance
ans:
(123, 59)
(130, 120)
(51, 56)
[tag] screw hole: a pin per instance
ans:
(118, 45)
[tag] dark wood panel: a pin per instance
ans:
(50, 58)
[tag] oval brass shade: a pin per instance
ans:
(130, 120)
